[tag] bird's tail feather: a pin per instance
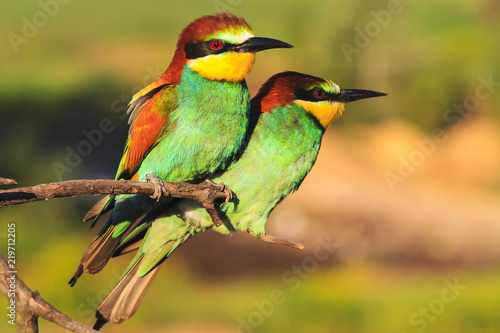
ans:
(161, 239)
(122, 302)
(100, 251)
(97, 255)
(88, 262)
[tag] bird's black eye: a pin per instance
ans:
(319, 93)
(216, 44)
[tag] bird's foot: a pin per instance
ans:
(275, 240)
(160, 189)
(223, 188)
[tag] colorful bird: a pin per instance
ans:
(289, 116)
(184, 126)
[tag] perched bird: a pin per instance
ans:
(289, 116)
(184, 126)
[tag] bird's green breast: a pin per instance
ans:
(204, 132)
(281, 151)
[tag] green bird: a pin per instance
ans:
(186, 125)
(289, 116)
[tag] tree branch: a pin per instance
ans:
(29, 305)
(206, 193)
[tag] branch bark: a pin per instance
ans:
(207, 193)
(29, 305)
(7, 181)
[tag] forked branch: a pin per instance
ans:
(28, 305)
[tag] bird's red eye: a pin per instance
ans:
(216, 45)
(319, 93)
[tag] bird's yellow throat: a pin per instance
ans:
(326, 112)
(231, 66)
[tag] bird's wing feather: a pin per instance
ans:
(149, 115)
(102, 206)
(141, 96)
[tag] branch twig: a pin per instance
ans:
(280, 241)
(7, 181)
(29, 305)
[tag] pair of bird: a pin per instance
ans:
(196, 122)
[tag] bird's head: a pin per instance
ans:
(321, 98)
(219, 47)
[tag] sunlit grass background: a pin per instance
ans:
(396, 246)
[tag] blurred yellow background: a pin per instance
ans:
(399, 216)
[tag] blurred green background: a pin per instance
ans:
(405, 192)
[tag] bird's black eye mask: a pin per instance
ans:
(202, 49)
(316, 95)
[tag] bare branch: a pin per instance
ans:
(29, 305)
(75, 188)
(7, 181)
(206, 193)
(280, 241)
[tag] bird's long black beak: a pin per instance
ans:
(257, 44)
(351, 95)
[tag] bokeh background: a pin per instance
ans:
(399, 216)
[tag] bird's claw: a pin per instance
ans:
(160, 189)
(228, 192)
(223, 188)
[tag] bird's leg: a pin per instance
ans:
(223, 188)
(275, 240)
(160, 189)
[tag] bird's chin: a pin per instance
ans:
(232, 67)
(325, 112)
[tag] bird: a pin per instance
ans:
(289, 116)
(184, 126)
